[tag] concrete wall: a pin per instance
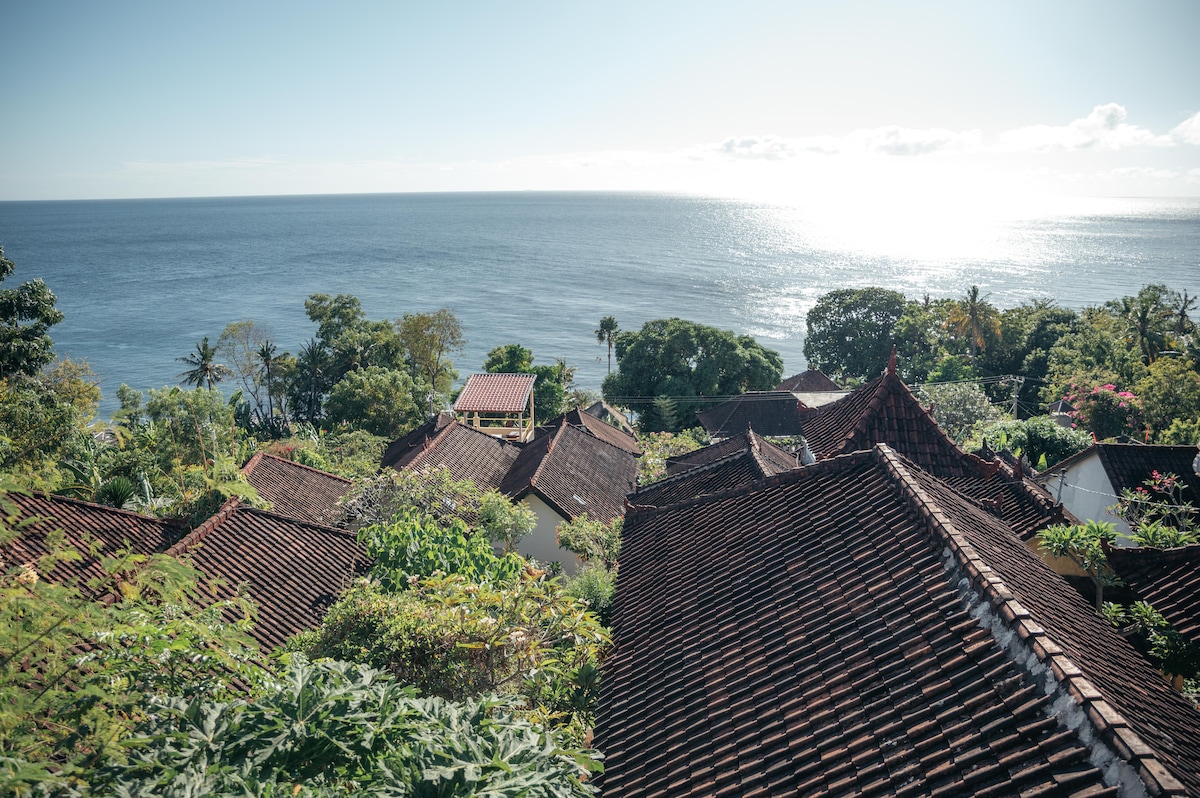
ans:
(1086, 492)
(540, 544)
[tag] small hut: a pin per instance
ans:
(499, 405)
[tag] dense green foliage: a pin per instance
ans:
(1040, 440)
(658, 447)
(850, 332)
(1129, 367)
(412, 546)
(685, 361)
(27, 313)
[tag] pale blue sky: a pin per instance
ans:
(779, 99)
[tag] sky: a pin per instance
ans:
(798, 101)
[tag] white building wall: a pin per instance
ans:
(540, 544)
(1086, 492)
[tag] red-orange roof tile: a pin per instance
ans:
(495, 393)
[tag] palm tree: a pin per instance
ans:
(1181, 304)
(266, 355)
(204, 368)
(1145, 324)
(605, 334)
(975, 319)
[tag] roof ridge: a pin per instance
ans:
(97, 506)
(430, 442)
(792, 475)
(537, 472)
(295, 464)
(1029, 637)
(228, 508)
(304, 522)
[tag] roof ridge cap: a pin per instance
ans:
(252, 463)
(228, 508)
(291, 519)
(430, 441)
(987, 587)
(296, 464)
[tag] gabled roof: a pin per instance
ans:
(296, 490)
(775, 413)
(84, 525)
(854, 627)
(574, 472)
(465, 452)
(606, 412)
(596, 427)
(886, 411)
(495, 393)
(810, 381)
(1168, 579)
(729, 464)
(291, 568)
(1128, 465)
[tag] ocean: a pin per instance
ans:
(141, 281)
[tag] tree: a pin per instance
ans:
(605, 334)
(687, 361)
(378, 400)
(26, 315)
(851, 331)
(1169, 391)
(550, 388)
(1147, 320)
(239, 344)
(428, 339)
(1039, 439)
(1083, 545)
(960, 407)
(203, 371)
(43, 421)
(976, 320)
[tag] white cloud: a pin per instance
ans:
(1104, 128)
(896, 140)
(1143, 172)
(1188, 131)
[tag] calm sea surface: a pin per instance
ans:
(140, 281)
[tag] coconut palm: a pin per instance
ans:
(605, 333)
(975, 319)
(1181, 305)
(204, 370)
(1145, 319)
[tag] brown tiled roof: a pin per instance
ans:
(775, 413)
(495, 393)
(1128, 465)
(729, 464)
(811, 381)
(84, 526)
(1168, 579)
(603, 409)
(465, 452)
(296, 490)
(854, 627)
(886, 411)
(291, 568)
(574, 473)
(596, 427)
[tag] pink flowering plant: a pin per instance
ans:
(1105, 411)
(1157, 512)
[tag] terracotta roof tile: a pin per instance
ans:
(292, 569)
(495, 393)
(296, 490)
(465, 452)
(775, 413)
(1168, 579)
(731, 463)
(595, 427)
(820, 632)
(811, 381)
(886, 411)
(575, 473)
(83, 525)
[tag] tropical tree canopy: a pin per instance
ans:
(26, 315)
(851, 331)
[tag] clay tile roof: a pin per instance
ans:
(574, 473)
(595, 427)
(886, 411)
(1168, 579)
(855, 627)
(292, 569)
(495, 393)
(1128, 465)
(775, 413)
(465, 452)
(82, 524)
(811, 381)
(296, 490)
(729, 464)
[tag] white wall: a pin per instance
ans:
(1087, 493)
(540, 544)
